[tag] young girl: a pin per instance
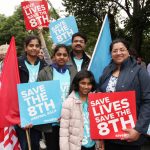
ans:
(59, 70)
(74, 123)
(29, 67)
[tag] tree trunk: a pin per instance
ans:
(137, 38)
(137, 26)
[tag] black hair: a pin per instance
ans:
(30, 38)
(120, 40)
(58, 47)
(80, 76)
(79, 34)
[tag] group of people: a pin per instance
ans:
(72, 130)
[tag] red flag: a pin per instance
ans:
(8, 139)
(9, 110)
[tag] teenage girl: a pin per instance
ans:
(74, 123)
(59, 70)
(29, 67)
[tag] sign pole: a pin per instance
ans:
(28, 139)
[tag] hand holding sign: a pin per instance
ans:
(39, 103)
(62, 30)
(131, 136)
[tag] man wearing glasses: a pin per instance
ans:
(78, 56)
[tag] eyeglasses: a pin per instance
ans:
(80, 41)
(115, 51)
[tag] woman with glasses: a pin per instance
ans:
(124, 74)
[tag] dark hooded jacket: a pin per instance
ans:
(85, 63)
(132, 77)
(23, 71)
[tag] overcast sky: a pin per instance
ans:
(7, 7)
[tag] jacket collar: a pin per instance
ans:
(127, 63)
(130, 62)
(60, 70)
(73, 95)
(36, 62)
(84, 56)
(22, 59)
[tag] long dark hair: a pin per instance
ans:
(80, 76)
(58, 47)
(30, 38)
(119, 40)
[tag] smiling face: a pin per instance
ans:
(119, 53)
(33, 48)
(85, 86)
(78, 44)
(41, 54)
(61, 57)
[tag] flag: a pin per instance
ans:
(8, 139)
(101, 55)
(9, 111)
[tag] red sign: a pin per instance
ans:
(110, 113)
(35, 14)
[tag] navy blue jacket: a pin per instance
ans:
(23, 71)
(132, 77)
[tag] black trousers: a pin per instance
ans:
(84, 148)
(35, 137)
(114, 146)
(52, 139)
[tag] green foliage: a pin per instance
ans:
(89, 15)
(14, 26)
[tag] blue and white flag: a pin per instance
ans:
(101, 56)
(39, 102)
(62, 30)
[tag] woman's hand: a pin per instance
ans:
(40, 28)
(28, 126)
(101, 145)
(59, 120)
(132, 135)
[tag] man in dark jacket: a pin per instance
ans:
(78, 57)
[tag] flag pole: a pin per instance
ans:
(57, 15)
(28, 139)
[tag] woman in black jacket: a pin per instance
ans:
(29, 67)
(124, 74)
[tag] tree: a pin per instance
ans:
(90, 14)
(138, 12)
(14, 26)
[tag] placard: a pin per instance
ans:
(110, 113)
(39, 102)
(35, 14)
(62, 30)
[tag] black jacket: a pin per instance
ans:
(133, 77)
(23, 71)
(85, 63)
